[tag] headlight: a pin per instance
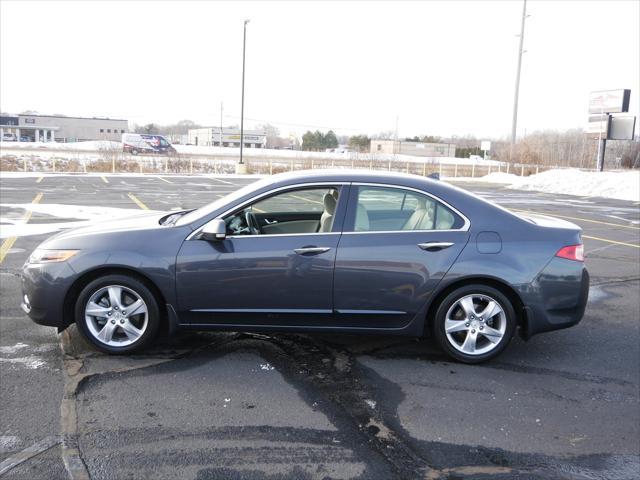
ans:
(51, 256)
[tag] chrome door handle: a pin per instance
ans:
(270, 222)
(311, 250)
(434, 246)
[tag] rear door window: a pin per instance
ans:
(384, 209)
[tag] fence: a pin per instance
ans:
(184, 164)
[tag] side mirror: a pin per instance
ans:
(215, 230)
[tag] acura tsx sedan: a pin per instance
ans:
(322, 251)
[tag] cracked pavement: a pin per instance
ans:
(287, 406)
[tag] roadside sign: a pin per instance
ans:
(599, 124)
(609, 101)
(603, 126)
(485, 145)
(622, 128)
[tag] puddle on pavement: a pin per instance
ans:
(597, 294)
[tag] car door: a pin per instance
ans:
(396, 246)
(266, 275)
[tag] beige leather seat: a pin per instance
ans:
(421, 218)
(330, 200)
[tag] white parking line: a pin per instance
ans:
(615, 242)
(29, 452)
(305, 199)
(221, 181)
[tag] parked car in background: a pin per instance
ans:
(344, 252)
(9, 137)
(137, 143)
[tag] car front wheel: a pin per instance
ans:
(474, 323)
(117, 313)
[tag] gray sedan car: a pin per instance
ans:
(324, 251)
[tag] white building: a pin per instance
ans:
(419, 149)
(228, 137)
(49, 128)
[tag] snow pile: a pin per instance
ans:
(621, 185)
(494, 177)
(14, 226)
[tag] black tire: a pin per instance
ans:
(130, 284)
(483, 292)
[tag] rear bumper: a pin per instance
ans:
(557, 298)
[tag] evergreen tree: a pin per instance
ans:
(361, 143)
(308, 141)
(330, 140)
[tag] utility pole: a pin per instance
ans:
(602, 142)
(241, 167)
(396, 145)
(517, 90)
(221, 110)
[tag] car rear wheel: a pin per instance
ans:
(134, 151)
(474, 323)
(117, 313)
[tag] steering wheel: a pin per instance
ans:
(252, 223)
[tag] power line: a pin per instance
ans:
(276, 122)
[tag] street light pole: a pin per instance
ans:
(241, 166)
(517, 90)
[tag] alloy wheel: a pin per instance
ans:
(475, 324)
(116, 316)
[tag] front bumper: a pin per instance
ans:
(557, 298)
(44, 288)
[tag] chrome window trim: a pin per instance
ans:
(265, 194)
(465, 227)
(402, 231)
(283, 235)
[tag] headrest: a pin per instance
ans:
(362, 219)
(329, 202)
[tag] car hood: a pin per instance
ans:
(144, 221)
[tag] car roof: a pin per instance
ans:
(348, 175)
(468, 203)
(433, 186)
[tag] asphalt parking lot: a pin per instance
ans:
(234, 406)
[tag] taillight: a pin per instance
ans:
(572, 252)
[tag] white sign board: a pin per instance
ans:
(609, 101)
(485, 145)
(622, 128)
(599, 124)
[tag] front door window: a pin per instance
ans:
(301, 211)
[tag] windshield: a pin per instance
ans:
(221, 202)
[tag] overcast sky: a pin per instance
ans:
(442, 68)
